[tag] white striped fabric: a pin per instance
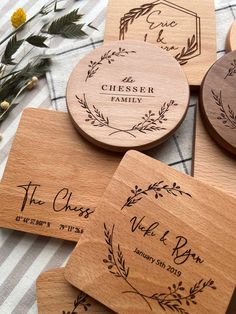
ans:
(22, 256)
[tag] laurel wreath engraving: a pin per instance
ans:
(176, 297)
(182, 57)
(158, 188)
(81, 301)
(231, 70)
(150, 122)
(109, 56)
(227, 118)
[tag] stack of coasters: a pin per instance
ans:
(184, 28)
(159, 242)
(56, 295)
(54, 178)
(127, 95)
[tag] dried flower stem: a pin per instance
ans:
(43, 11)
(12, 102)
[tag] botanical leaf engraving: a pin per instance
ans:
(175, 298)
(133, 14)
(150, 122)
(80, 301)
(227, 116)
(158, 188)
(232, 69)
(187, 51)
(109, 56)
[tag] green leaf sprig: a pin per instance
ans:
(19, 81)
(66, 26)
(11, 48)
(14, 81)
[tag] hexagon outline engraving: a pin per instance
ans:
(193, 44)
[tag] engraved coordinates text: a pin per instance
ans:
(181, 252)
(61, 202)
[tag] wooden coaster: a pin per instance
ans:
(217, 102)
(127, 95)
(54, 178)
(166, 245)
(231, 38)
(213, 164)
(186, 29)
(56, 296)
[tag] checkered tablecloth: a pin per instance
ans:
(22, 256)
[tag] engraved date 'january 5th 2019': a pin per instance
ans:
(61, 201)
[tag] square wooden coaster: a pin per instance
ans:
(56, 296)
(54, 178)
(213, 164)
(160, 242)
(186, 29)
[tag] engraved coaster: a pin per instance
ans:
(56, 296)
(54, 178)
(184, 28)
(212, 162)
(127, 95)
(231, 38)
(217, 103)
(161, 242)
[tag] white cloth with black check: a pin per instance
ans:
(22, 256)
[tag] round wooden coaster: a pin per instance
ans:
(231, 38)
(218, 106)
(127, 95)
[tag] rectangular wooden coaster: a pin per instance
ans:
(212, 164)
(186, 29)
(54, 178)
(160, 242)
(56, 296)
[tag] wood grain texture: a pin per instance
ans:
(231, 38)
(127, 95)
(165, 239)
(56, 296)
(213, 164)
(53, 178)
(186, 29)
(217, 101)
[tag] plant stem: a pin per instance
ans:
(2, 71)
(19, 28)
(20, 91)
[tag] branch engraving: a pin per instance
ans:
(175, 298)
(187, 51)
(80, 301)
(232, 70)
(150, 122)
(227, 116)
(109, 56)
(158, 188)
